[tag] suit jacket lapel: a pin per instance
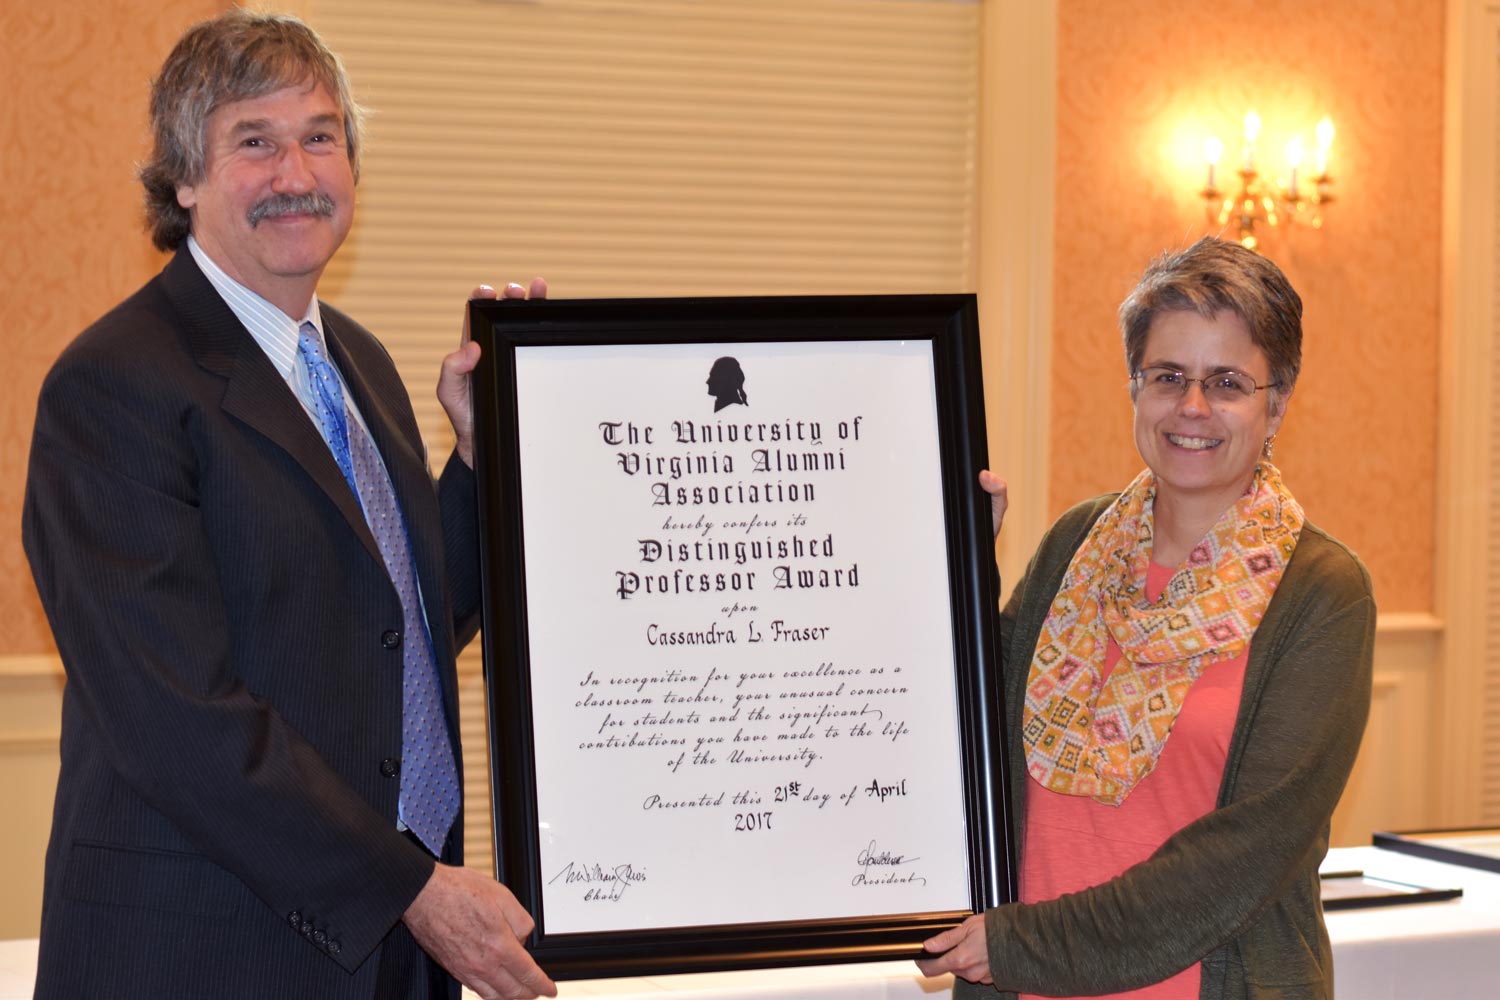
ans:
(255, 392)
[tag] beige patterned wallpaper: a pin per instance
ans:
(1141, 85)
(75, 79)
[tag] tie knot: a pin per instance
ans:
(310, 343)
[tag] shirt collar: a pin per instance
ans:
(272, 329)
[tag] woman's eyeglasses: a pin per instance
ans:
(1220, 387)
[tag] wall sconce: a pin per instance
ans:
(1261, 201)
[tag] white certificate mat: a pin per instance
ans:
(731, 643)
(740, 635)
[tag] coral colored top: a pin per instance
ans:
(1072, 842)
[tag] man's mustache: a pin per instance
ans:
(312, 203)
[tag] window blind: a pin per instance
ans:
(646, 147)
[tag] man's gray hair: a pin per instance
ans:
(234, 57)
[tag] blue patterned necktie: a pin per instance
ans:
(429, 776)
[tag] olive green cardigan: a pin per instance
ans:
(1237, 888)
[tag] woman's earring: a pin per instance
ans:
(1269, 447)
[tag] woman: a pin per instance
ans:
(1187, 675)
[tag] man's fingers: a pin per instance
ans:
(461, 361)
(516, 917)
(521, 976)
(485, 989)
(501, 985)
(537, 982)
(479, 292)
(506, 970)
(536, 290)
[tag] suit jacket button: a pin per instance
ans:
(306, 929)
(320, 938)
(333, 947)
(391, 639)
(295, 917)
(390, 767)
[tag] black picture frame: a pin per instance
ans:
(944, 325)
(1441, 845)
(1358, 891)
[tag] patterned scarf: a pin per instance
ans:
(1084, 739)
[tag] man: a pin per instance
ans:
(255, 589)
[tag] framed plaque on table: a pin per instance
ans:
(1472, 848)
(739, 628)
(1357, 891)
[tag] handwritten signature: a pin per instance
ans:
(872, 857)
(605, 884)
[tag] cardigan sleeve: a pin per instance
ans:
(1214, 881)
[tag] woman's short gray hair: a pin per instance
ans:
(234, 57)
(1215, 274)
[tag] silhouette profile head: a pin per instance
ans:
(726, 383)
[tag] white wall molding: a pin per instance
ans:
(1391, 786)
(1013, 260)
(31, 688)
(30, 705)
(1467, 576)
(1409, 623)
(30, 666)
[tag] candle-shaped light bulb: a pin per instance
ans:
(1295, 151)
(1252, 133)
(1325, 140)
(1213, 149)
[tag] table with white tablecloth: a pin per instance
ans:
(1433, 951)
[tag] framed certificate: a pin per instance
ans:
(739, 628)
